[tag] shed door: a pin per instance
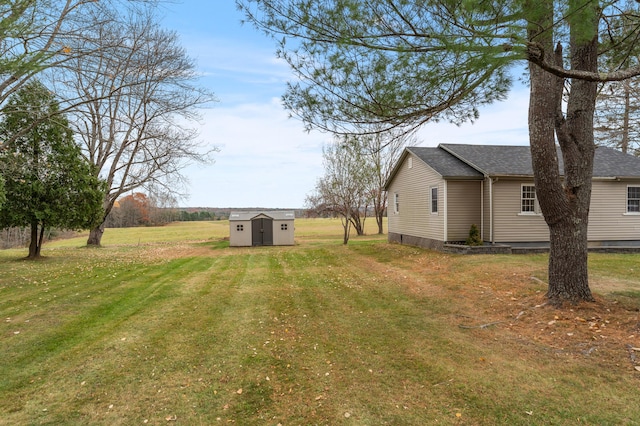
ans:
(262, 231)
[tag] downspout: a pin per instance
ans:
(446, 216)
(491, 211)
(482, 210)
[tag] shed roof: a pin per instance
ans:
(273, 214)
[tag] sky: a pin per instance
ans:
(265, 158)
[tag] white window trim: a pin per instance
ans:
(396, 203)
(626, 202)
(431, 200)
(536, 206)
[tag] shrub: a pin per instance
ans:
(474, 238)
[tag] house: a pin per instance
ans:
(436, 194)
(261, 228)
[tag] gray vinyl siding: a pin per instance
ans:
(509, 224)
(464, 207)
(608, 217)
(413, 186)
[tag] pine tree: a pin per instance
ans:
(47, 181)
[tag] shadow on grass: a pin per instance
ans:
(215, 245)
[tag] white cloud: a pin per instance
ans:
(266, 159)
(502, 123)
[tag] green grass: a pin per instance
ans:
(174, 232)
(171, 323)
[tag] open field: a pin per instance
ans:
(170, 325)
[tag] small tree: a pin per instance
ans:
(48, 183)
(344, 190)
(474, 236)
(384, 150)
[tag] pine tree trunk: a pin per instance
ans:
(568, 278)
(564, 198)
(41, 238)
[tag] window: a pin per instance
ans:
(239, 228)
(396, 202)
(633, 199)
(283, 226)
(434, 199)
(528, 200)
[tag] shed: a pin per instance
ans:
(261, 228)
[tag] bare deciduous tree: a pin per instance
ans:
(37, 35)
(139, 99)
(384, 149)
(617, 117)
(344, 190)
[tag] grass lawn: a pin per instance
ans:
(171, 325)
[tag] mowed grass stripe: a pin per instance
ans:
(84, 320)
(284, 317)
(317, 333)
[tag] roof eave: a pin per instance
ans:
(616, 178)
(458, 177)
(510, 176)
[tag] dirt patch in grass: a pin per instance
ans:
(506, 295)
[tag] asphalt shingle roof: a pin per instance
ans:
(494, 160)
(444, 163)
(610, 162)
(463, 160)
